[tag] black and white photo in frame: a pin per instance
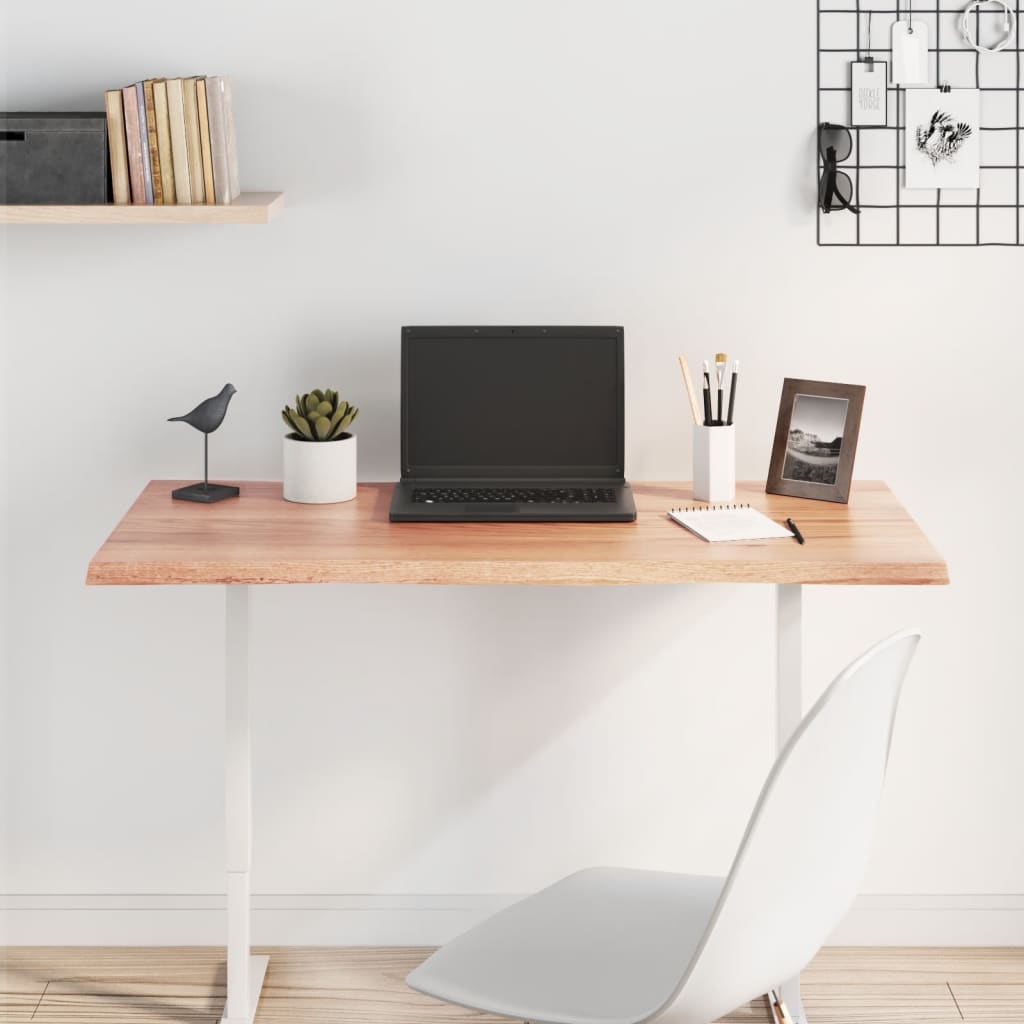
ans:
(816, 440)
(942, 138)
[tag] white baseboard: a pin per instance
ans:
(417, 920)
(950, 920)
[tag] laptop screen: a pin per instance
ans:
(512, 402)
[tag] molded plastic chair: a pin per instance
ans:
(618, 946)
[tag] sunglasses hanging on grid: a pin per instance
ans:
(835, 189)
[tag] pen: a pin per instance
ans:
(688, 381)
(732, 391)
(795, 530)
(708, 420)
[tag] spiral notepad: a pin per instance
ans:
(729, 522)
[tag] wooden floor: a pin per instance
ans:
(365, 986)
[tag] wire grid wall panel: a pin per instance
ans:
(892, 214)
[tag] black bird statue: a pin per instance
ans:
(206, 417)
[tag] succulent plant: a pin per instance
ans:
(319, 416)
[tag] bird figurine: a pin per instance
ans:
(209, 414)
(206, 417)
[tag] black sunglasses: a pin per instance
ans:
(835, 190)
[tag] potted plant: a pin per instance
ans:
(319, 452)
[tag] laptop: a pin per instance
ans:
(512, 424)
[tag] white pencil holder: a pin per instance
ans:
(714, 464)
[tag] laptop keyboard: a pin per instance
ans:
(500, 495)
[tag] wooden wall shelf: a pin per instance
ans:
(248, 208)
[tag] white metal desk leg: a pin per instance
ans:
(789, 662)
(244, 972)
(789, 712)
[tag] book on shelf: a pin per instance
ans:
(163, 141)
(204, 139)
(216, 86)
(147, 169)
(172, 141)
(179, 147)
(154, 151)
(133, 143)
(192, 140)
(118, 151)
(229, 126)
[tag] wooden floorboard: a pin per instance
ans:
(19, 993)
(866, 1003)
(880, 964)
(86, 985)
(988, 1004)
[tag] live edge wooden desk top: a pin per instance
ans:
(260, 538)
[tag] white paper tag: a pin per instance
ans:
(910, 53)
(869, 92)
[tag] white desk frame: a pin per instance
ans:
(245, 972)
(789, 661)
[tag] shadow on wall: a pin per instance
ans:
(365, 368)
(474, 683)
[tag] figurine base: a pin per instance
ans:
(206, 493)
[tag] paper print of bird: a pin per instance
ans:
(941, 141)
(208, 415)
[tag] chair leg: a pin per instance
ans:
(793, 1007)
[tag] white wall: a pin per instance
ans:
(455, 161)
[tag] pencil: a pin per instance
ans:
(690, 393)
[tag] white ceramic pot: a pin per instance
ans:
(320, 472)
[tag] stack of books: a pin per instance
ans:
(172, 140)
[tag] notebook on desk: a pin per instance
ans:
(729, 523)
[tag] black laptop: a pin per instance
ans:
(512, 424)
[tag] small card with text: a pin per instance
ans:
(869, 93)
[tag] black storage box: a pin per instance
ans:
(54, 158)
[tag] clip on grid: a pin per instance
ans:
(894, 215)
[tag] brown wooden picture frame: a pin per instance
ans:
(839, 489)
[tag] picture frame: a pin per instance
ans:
(816, 440)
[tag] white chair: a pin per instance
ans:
(619, 946)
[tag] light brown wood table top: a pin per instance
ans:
(259, 538)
